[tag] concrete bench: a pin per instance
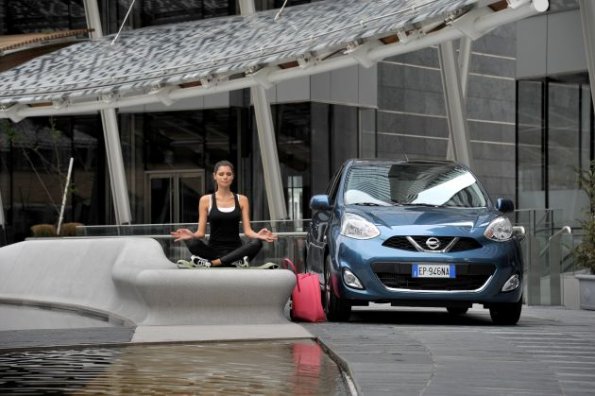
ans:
(130, 279)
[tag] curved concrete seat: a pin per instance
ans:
(131, 279)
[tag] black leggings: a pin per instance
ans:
(227, 255)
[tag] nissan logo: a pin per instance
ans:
(433, 243)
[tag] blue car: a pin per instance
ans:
(415, 233)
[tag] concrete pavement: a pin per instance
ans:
(404, 351)
(411, 351)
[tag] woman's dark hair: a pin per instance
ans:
(223, 163)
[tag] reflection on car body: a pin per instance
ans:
(420, 233)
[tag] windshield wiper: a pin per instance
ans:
(367, 204)
(426, 205)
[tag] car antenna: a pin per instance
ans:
(403, 151)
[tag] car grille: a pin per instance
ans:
(398, 276)
(418, 243)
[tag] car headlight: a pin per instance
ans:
(357, 227)
(499, 229)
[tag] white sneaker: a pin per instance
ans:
(199, 262)
(241, 263)
(184, 264)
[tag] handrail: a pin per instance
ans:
(566, 229)
(519, 232)
(556, 234)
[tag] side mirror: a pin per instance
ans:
(320, 202)
(504, 205)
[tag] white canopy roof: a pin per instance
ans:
(170, 62)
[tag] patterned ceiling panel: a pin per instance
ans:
(146, 62)
(172, 54)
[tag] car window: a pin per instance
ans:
(334, 185)
(413, 184)
(368, 184)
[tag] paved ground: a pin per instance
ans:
(404, 351)
(425, 352)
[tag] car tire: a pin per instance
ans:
(456, 311)
(335, 308)
(507, 314)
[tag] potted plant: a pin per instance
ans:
(584, 252)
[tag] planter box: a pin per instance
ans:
(587, 291)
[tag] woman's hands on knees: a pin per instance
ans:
(266, 235)
(182, 234)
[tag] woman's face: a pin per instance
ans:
(223, 176)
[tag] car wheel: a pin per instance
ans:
(335, 308)
(506, 313)
(457, 310)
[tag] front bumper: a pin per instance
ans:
(386, 275)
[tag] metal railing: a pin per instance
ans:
(547, 248)
(290, 242)
(548, 256)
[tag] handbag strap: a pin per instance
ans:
(289, 264)
(287, 261)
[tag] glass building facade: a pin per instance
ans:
(527, 134)
(554, 113)
(555, 142)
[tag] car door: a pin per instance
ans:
(316, 238)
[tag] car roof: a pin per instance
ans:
(379, 161)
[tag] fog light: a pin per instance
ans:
(351, 280)
(512, 283)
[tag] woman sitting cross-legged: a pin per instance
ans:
(223, 210)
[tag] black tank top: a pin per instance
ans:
(225, 230)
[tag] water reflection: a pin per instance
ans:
(254, 368)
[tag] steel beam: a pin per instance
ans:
(266, 137)
(113, 148)
(455, 104)
(587, 10)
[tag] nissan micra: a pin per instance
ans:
(416, 233)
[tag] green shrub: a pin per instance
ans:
(43, 230)
(584, 252)
(69, 229)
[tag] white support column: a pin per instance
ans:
(455, 104)
(268, 146)
(2, 218)
(463, 61)
(113, 151)
(113, 147)
(3, 236)
(587, 8)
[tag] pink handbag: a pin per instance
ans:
(306, 305)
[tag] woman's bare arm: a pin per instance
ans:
(263, 234)
(184, 233)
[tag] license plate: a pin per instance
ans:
(433, 271)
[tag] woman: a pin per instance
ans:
(223, 210)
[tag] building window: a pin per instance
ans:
(554, 142)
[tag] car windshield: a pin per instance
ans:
(420, 184)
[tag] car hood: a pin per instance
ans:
(426, 217)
